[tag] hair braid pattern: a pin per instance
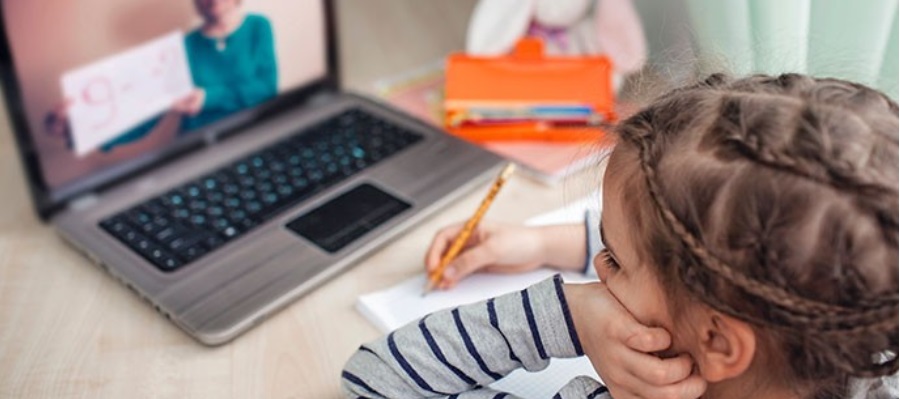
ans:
(779, 199)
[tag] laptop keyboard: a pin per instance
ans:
(188, 222)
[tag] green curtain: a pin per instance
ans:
(849, 39)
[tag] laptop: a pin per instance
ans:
(202, 153)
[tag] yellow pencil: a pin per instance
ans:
(435, 277)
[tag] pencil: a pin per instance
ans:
(434, 278)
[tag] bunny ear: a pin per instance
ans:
(561, 13)
(620, 34)
(496, 25)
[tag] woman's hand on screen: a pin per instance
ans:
(192, 104)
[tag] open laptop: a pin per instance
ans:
(202, 153)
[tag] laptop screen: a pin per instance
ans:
(105, 82)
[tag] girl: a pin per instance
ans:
(755, 220)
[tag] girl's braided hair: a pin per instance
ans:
(774, 200)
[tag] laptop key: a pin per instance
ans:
(169, 263)
(214, 211)
(166, 235)
(141, 216)
(181, 213)
(157, 254)
(188, 238)
(198, 220)
(193, 252)
(213, 241)
(230, 231)
(252, 206)
(232, 202)
(131, 237)
(162, 221)
(155, 207)
(115, 226)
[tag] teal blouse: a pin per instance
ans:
(241, 74)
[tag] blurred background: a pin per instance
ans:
(855, 40)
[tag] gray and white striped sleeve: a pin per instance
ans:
(458, 352)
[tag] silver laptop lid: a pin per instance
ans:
(100, 90)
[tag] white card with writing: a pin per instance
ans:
(119, 92)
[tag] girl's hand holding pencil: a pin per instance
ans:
(492, 247)
(436, 275)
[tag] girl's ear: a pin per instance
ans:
(726, 346)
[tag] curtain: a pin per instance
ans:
(849, 39)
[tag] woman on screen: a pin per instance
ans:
(232, 61)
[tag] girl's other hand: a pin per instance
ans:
(492, 247)
(622, 350)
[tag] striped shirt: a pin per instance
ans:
(456, 353)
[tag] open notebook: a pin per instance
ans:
(396, 306)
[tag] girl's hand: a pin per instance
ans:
(622, 350)
(492, 247)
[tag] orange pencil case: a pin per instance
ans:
(527, 76)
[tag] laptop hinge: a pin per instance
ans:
(83, 202)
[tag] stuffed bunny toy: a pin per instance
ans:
(567, 27)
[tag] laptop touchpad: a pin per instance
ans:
(347, 217)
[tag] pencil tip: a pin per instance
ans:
(428, 287)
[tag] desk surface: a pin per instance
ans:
(67, 329)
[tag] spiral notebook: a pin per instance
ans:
(398, 305)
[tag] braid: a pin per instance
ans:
(842, 138)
